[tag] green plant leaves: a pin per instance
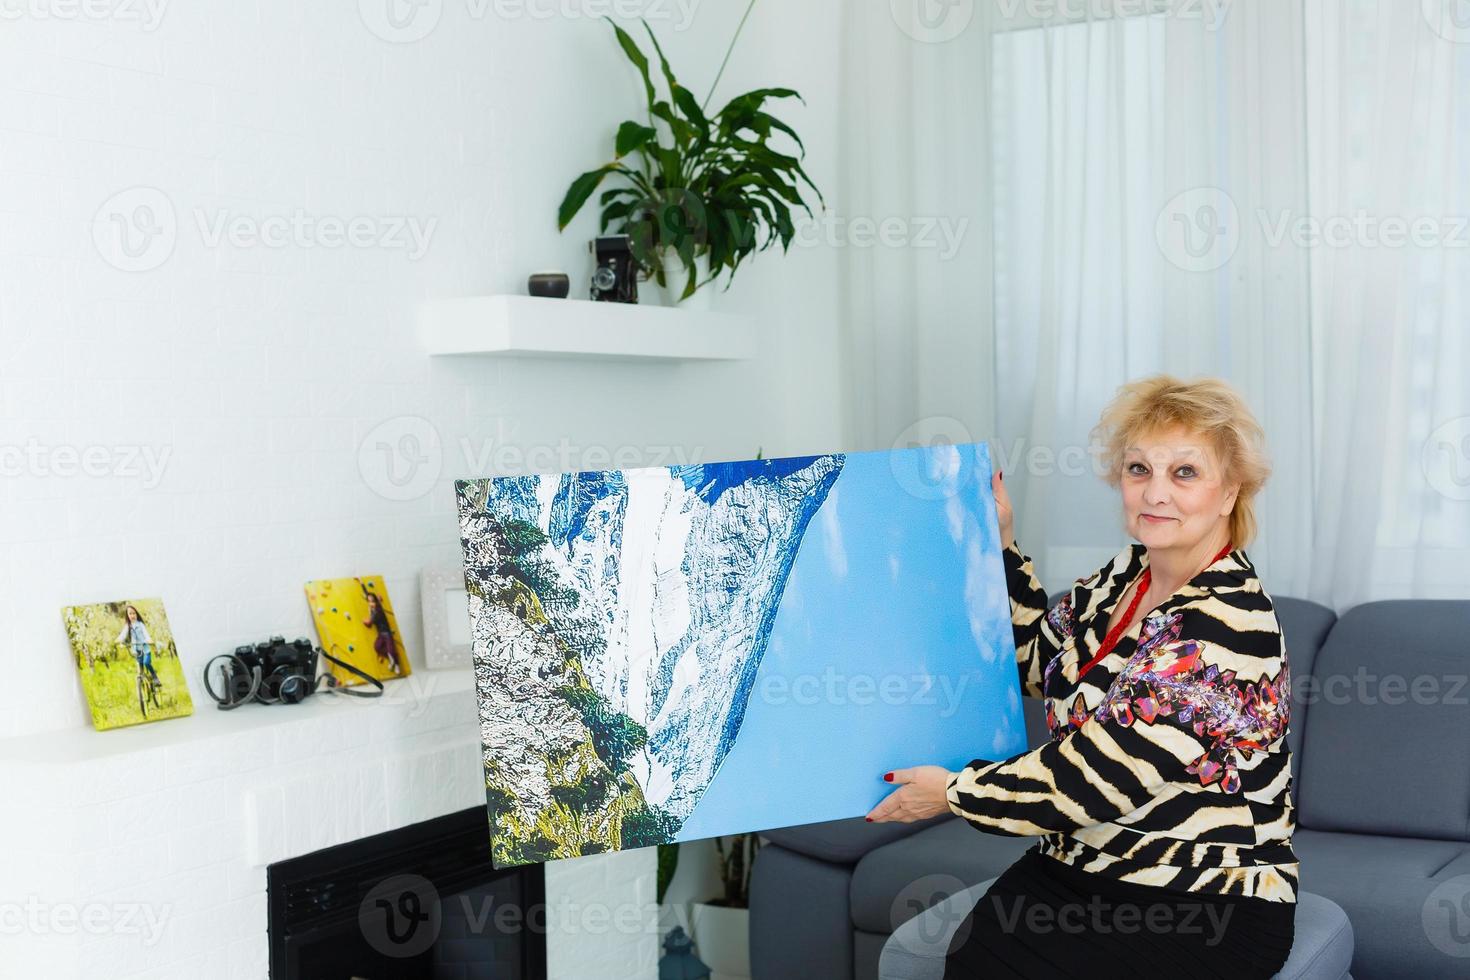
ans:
(717, 187)
(578, 193)
(635, 55)
(633, 136)
(668, 864)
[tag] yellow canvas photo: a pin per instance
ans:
(128, 662)
(355, 623)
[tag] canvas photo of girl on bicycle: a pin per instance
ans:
(355, 623)
(128, 662)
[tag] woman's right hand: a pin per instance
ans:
(1003, 513)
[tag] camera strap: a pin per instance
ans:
(329, 681)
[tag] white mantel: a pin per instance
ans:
(141, 852)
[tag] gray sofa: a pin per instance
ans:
(1380, 736)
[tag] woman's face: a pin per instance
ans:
(1174, 493)
(132, 615)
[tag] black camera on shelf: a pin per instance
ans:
(276, 672)
(615, 279)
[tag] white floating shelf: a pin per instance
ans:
(533, 326)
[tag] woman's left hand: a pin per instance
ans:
(920, 795)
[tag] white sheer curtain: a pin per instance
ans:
(912, 212)
(1389, 115)
(1131, 157)
(1166, 192)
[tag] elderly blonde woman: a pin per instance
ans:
(1162, 799)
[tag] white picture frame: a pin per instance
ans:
(446, 645)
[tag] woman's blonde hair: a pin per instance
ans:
(1208, 406)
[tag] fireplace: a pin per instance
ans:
(419, 903)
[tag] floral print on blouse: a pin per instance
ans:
(1167, 762)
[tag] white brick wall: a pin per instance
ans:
(164, 834)
(165, 843)
(255, 372)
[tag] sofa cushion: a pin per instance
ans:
(1385, 885)
(800, 924)
(1033, 712)
(892, 884)
(1304, 625)
(844, 841)
(867, 950)
(1385, 748)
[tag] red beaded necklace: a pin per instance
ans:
(1116, 632)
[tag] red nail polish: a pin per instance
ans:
(888, 776)
(868, 819)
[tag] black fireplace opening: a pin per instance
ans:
(420, 903)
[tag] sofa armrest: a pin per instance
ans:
(846, 841)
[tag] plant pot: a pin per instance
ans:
(676, 275)
(722, 938)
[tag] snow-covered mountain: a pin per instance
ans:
(665, 582)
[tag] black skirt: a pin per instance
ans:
(1043, 918)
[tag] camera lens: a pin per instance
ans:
(294, 689)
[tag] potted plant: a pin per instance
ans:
(697, 193)
(721, 925)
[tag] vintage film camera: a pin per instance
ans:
(276, 672)
(615, 280)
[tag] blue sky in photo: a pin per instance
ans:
(897, 599)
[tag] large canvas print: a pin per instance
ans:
(673, 653)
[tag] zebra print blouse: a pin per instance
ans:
(1167, 763)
